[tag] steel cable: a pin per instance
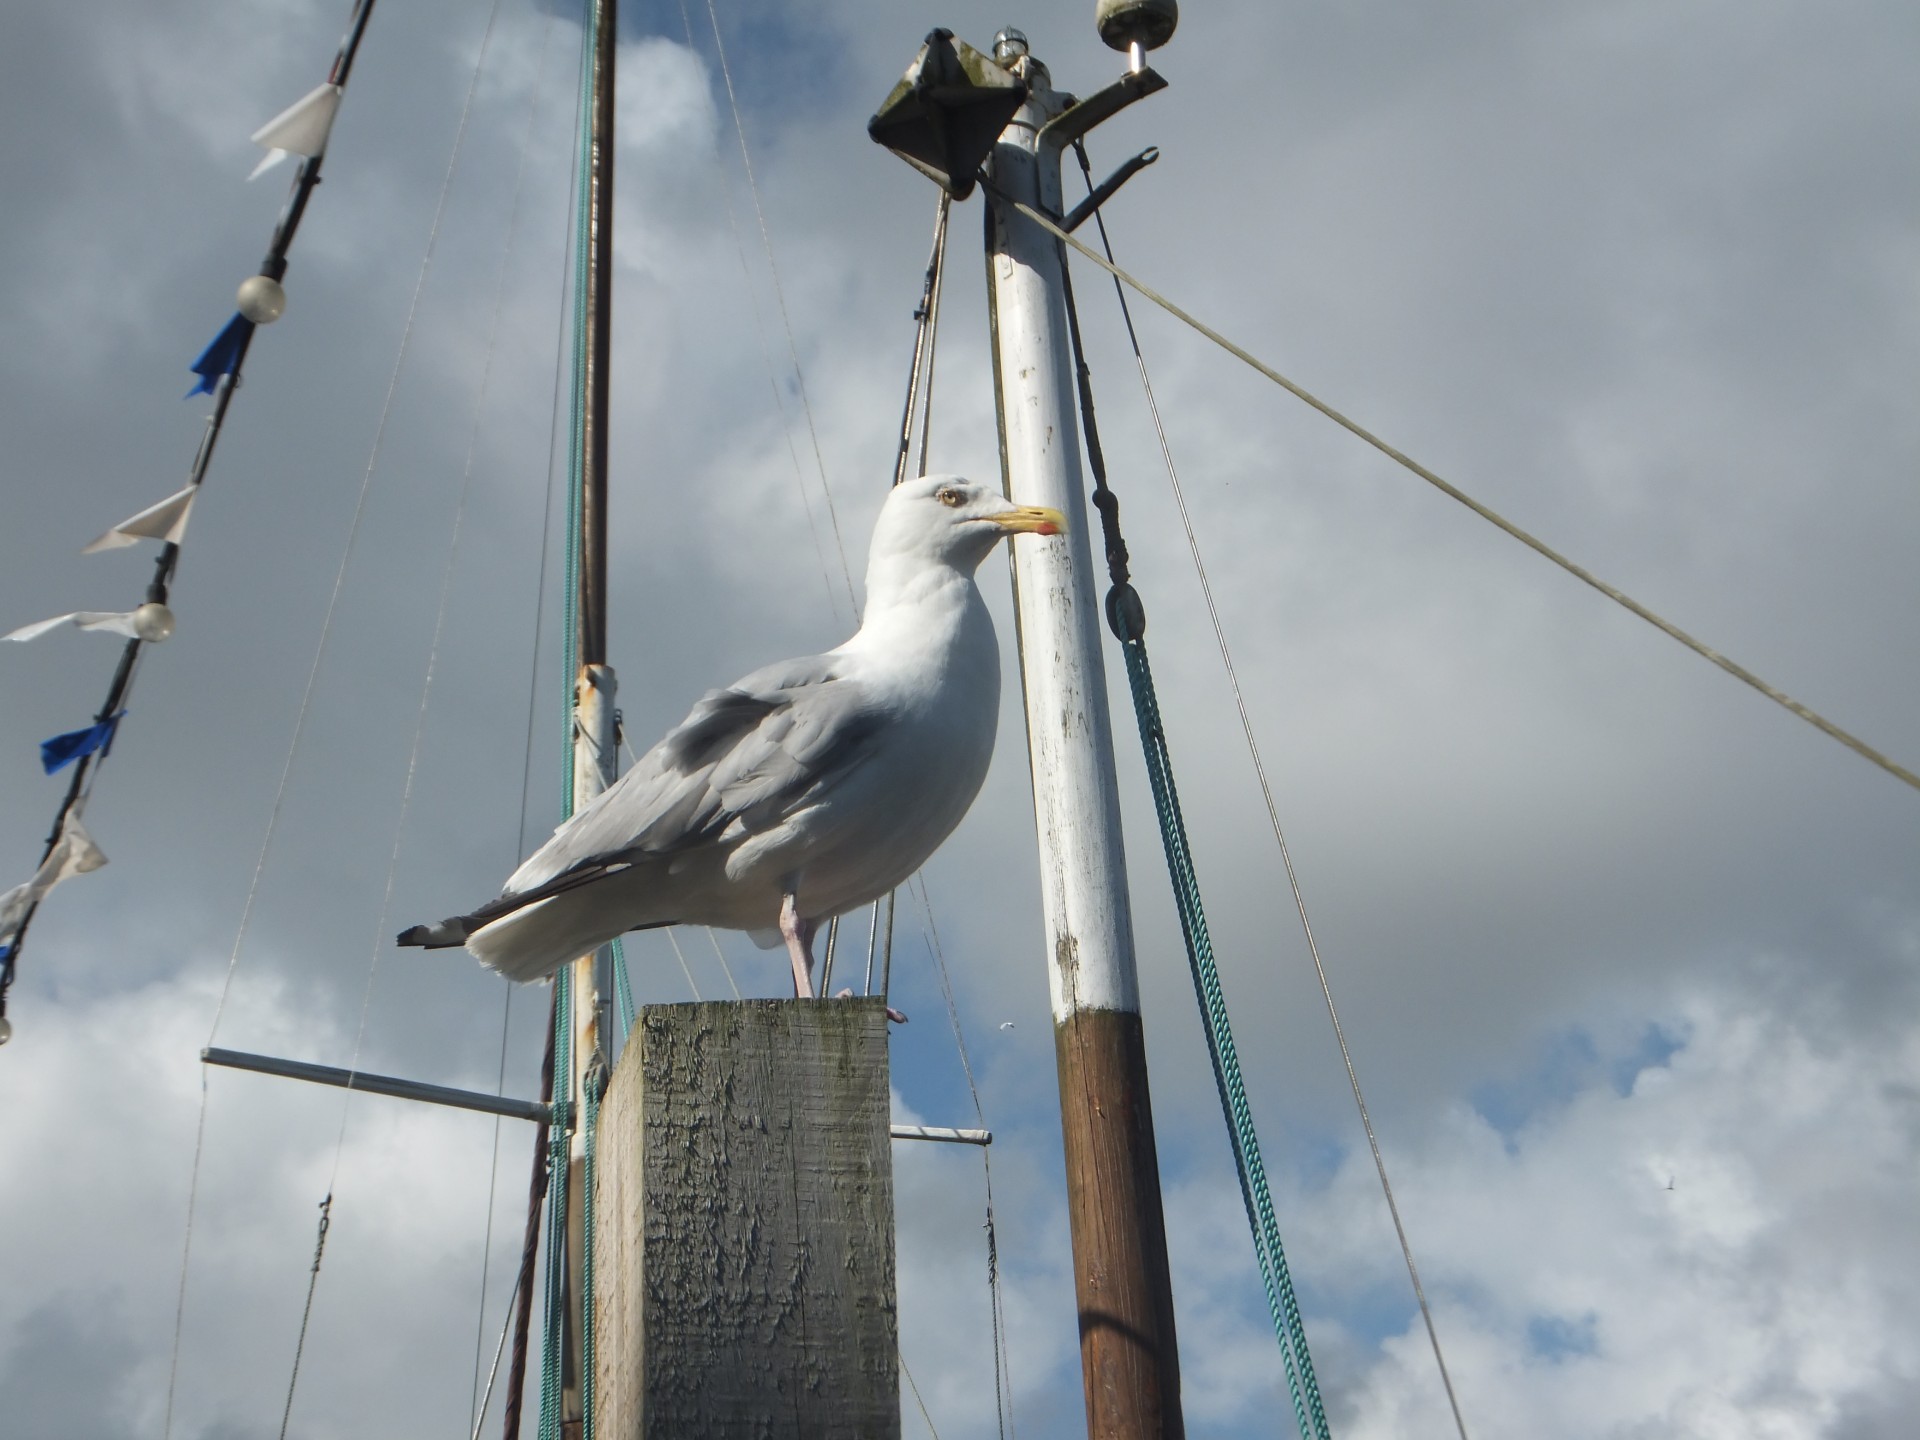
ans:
(1491, 516)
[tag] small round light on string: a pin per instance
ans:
(6, 1029)
(262, 299)
(153, 622)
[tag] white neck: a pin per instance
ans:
(916, 609)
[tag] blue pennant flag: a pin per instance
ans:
(62, 750)
(222, 357)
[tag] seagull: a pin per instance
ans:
(801, 791)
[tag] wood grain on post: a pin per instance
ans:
(744, 1226)
(1129, 1357)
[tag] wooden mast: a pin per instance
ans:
(594, 740)
(1129, 1359)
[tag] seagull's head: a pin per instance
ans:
(947, 519)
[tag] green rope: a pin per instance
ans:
(1309, 1411)
(552, 1360)
(1126, 617)
(590, 1118)
(622, 990)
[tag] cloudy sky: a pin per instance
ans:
(1629, 958)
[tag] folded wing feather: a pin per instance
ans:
(745, 759)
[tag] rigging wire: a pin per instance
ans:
(560, 360)
(917, 1400)
(530, 1240)
(305, 709)
(439, 629)
(927, 320)
(486, 1240)
(685, 969)
(506, 1326)
(1273, 813)
(919, 396)
(1491, 516)
(306, 1315)
(725, 968)
(477, 1411)
(558, 1133)
(1002, 1367)
(773, 377)
(522, 1307)
(780, 297)
(563, 1130)
(1126, 617)
(475, 1406)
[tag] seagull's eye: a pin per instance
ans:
(952, 498)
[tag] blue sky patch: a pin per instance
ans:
(1559, 1337)
(1569, 1062)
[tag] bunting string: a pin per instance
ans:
(303, 130)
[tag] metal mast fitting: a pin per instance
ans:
(1129, 1358)
(947, 111)
(1136, 26)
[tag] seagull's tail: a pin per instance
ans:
(527, 935)
(520, 946)
(525, 944)
(534, 941)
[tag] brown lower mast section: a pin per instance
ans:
(1128, 1355)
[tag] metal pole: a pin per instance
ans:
(1128, 1355)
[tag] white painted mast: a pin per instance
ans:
(1129, 1357)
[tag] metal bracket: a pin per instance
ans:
(1080, 117)
(1104, 191)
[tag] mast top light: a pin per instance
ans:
(1124, 24)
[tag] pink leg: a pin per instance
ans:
(798, 934)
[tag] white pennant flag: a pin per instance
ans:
(13, 909)
(301, 129)
(74, 853)
(113, 622)
(166, 521)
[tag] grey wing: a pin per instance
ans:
(744, 759)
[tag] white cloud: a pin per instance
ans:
(1764, 1294)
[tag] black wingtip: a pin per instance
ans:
(435, 937)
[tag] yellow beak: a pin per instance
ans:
(1031, 520)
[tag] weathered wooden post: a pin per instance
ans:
(744, 1277)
